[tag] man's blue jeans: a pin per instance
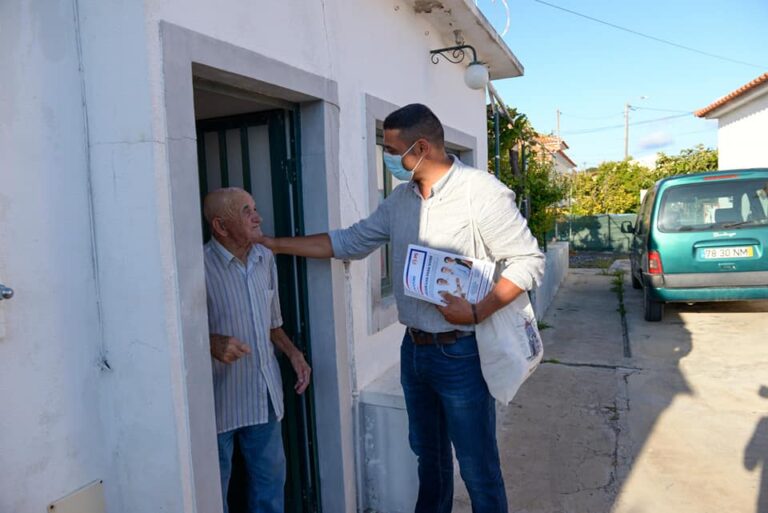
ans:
(448, 402)
(262, 448)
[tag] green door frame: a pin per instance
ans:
(302, 492)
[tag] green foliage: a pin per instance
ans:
(512, 135)
(614, 187)
(545, 189)
(539, 182)
(690, 160)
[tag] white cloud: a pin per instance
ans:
(656, 140)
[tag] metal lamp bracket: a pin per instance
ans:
(454, 54)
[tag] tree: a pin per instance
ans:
(690, 160)
(612, 187)
(538, 182)
(546, 190)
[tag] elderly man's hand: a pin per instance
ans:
(457, 309)
(228, 349)
(302, 369)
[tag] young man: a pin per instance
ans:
(445, 394)
(243, 317)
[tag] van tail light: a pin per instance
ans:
(654, 263)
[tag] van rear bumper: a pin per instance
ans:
(731, 286)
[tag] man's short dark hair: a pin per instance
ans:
(416, 121)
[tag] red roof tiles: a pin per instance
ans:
(732, 96)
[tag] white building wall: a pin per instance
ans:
(143, 400)
(80, 304)
(562, 166)
(50, 348)
(742, 133)
(379, 48)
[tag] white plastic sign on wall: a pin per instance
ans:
(88, 499)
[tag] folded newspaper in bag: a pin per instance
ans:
(508, 341)
(429, 272)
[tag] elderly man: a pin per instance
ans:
(448, 206)
(245, 327)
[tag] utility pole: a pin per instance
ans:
(626, 131)
(558, 124)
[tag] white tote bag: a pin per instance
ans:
(508, 341)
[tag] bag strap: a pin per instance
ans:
(478, 246)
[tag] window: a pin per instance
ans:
(644, 216)
(384, 188)
(712, 205)
(383, 311)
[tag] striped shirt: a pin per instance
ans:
(443, 221)
(243, 303)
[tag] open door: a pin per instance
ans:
(258, 151)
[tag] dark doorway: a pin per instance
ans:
(259, 151)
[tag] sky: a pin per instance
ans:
(589, 71)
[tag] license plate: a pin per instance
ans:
(732, 252)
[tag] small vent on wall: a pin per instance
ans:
(88, 499)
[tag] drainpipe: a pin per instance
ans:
(356, 410)
(496, 104)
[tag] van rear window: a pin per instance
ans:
(714, 205)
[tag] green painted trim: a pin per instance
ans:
(223, 164)
(202, 175)
(246, 157)
(315, 498)
(299, 429)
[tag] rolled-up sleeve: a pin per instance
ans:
(507, 238)
(362, 238)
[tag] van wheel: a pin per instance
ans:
(636, 284)
(654, 310)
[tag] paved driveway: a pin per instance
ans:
(680, 426)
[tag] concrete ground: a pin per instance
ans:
(680, 426)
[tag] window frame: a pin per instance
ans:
(382, 307)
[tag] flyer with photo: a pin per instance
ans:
(430, 272)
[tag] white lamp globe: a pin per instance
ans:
(476, 76)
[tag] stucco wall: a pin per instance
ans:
(376, 48)
(50, 374)
(105, 291)
(555, 272)
(741, 135)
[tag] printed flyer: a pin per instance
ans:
(430, 272)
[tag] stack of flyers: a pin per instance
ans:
(429, 272)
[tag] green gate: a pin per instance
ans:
(260, 153)
(594, 233)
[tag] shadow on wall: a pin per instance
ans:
(756, 456)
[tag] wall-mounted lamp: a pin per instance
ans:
(476, 74)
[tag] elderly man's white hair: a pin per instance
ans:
(221, 203)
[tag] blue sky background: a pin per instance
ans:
(589, 71)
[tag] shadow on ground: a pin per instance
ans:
(664, 430)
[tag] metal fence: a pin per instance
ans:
(594, 233)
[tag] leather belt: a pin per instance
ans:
(421, 338)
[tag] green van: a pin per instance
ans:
(701, 237)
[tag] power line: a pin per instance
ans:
(613, 127)
(708, 130)
(592, 118)
(619, 114)
(653, 38)
(635, 107)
